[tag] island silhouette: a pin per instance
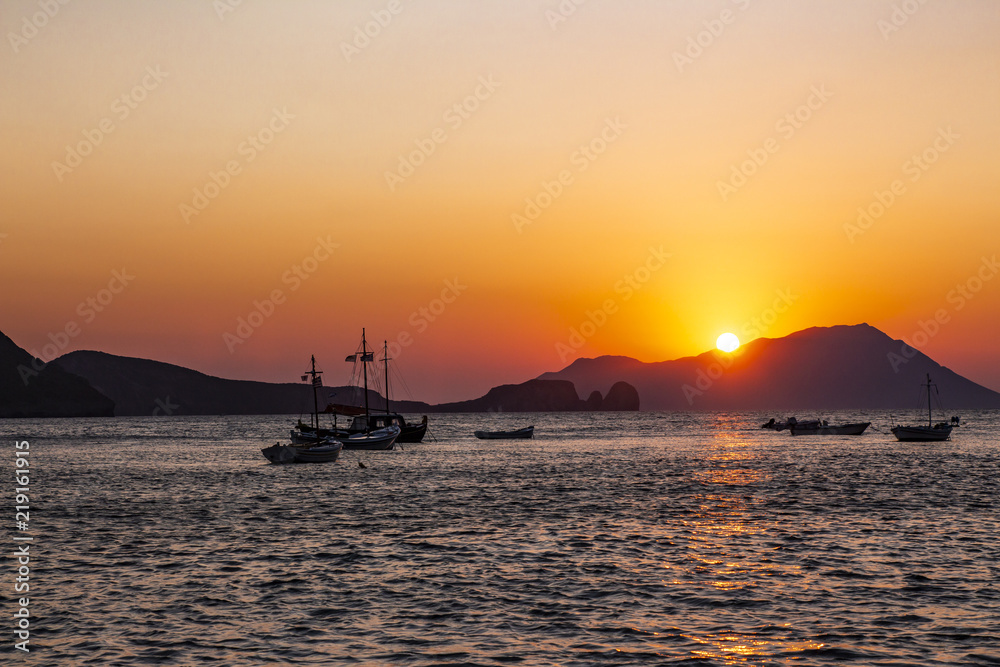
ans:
(821, 368)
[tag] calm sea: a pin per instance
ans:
(609, 539)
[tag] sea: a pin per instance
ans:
(608, 539)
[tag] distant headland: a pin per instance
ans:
(822, 368)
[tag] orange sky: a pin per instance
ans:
(696, 166)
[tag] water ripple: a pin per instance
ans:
(609, 539)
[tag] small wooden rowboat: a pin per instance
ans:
(520, 434)
(324, 452)
(813, 428)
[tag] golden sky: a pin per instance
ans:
(497, 186)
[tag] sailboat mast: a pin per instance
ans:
(385, 355)
(364, 366)
(929, 419)
(315, 399)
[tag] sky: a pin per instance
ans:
(495, 188)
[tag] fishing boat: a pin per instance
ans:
(362, 424)
(930, 433)
(364, 434)
(521, 434)
(378, 440)
(813, 428)
(788, 423)
(411, 432)
(407, 432)
(324, 452)
(318, 450)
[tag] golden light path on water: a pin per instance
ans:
(723, 522)
(736, 648)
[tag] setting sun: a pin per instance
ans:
(727, 342)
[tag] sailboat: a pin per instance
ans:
(408, 432)
(930, 433)
(366, 431)
(311, 450)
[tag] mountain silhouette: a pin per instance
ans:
(30, 388)
(145, 387)
(545, 396)
(830, 368)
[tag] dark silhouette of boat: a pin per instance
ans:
(781, 426)
(817, 428)
(311, 450)
(930, 433)
(364, 420)
(521, 434)
(367, 430)
(361, 424)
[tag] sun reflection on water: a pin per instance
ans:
(725, 558)
(747, 648)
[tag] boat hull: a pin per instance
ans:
(929, 433)
(305, 438)
(408, 432)
(844, 429)
(789, 423)
(413, 433)
(921, 433)
(325, 452)
(381, 440)
(520, 434)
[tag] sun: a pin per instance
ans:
(727, 342)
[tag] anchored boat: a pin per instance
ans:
(520, 434)
(316, 450)
(930, 433)
(817, 428)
